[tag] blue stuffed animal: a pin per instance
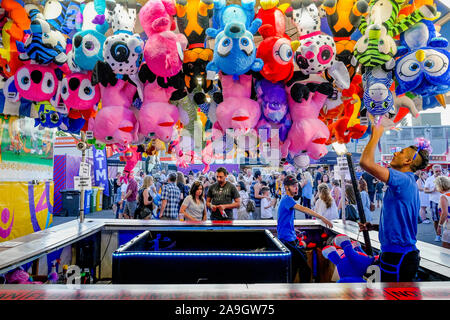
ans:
(87, 45)
(352, 263)
(422, 68)
(48, 117)
(233, 30)
(377, 98)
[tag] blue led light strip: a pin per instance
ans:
(212, 254)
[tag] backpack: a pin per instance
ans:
(250, 206)
(351, 213)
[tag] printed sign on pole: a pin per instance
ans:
(101, 170)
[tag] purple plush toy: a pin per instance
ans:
(274, 107)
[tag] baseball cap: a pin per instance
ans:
(290, 180)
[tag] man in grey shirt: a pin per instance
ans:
(220, 197)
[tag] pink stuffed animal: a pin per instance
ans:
(33, 82)
(157, 115)
(237, 111)
(116, 123)
(131, 157)
(166, 58)
(307, 134)
(77, 91)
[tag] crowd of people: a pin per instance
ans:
(252, 194)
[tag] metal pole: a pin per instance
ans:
(362, 215)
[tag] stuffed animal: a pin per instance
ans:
(377, 46)
(48, 117)
(351, 263)
(165, 59)
(377, 84)
(157, 116)
(87, 45)
(237, 111)
(423, 67)
(193, 18)
(307, 134)
(233, 30)
(33, 82)
(274, 106)
(43, 45)
(317, 51)
(277, 54)
(123, 51)
(272, 15)
(344, 17)
(62, 15)
(131, 157)
(115, 122)
(77, 91)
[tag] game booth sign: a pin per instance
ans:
(287, 77)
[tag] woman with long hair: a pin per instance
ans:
(443, 186)
(242, 213)
(193, 207)
(365, 199)
(307, 185)
(325, 204)
(145, 199)
(424, 198)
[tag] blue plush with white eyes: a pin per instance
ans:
(87, 50)
(377, 98)
(423, 68)
(234, 52)
(48, 117)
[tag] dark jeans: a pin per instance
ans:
(391, 271)
(372, 196)
(306, 203)
(298, 262)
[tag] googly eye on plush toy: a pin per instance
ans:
(48, 117)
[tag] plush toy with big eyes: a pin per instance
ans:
(233, 30)
(377, 84)
(33, 82)
(43, 45)
(48, 117)
(78, 92)
(422, 68)
(87, 44)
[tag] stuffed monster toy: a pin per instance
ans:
(351, 262)
(87, 46)
(270, 14)
(317, 51)
(377, 47)
(423, 67)
(131, 156)
(275, 109)
(48, 117)
(33, 82)
(378, 98)
(115, 122)
(12, 31)
(233, 30)
(43, 45)
(344, 17)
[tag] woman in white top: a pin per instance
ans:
(325, 204)
(193, 207)
(424, 197)
(443, 186)
(123, 192)
(242, 213)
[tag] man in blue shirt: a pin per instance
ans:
(286, 231)
(399, 258)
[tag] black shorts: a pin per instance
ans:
(399, 267)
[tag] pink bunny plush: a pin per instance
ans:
(116, 122)
(237, 111)
(163, 50)
(308, 134)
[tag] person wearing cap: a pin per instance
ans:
(286, 231)
(399, 257)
